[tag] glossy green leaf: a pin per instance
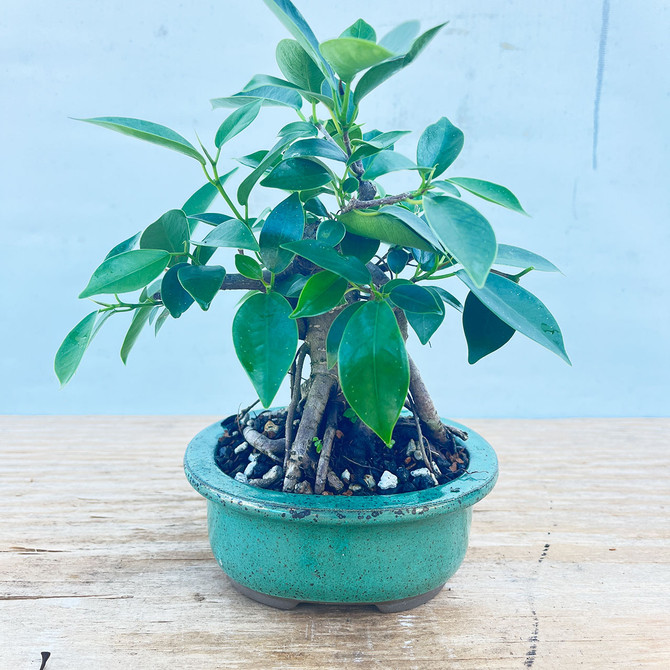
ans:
(260, 80)
(439, 146)
(489, 191)
(297, 174)
(484, 331)
(298, 66)
(265, 339)
(162, 318)
(202, 283)
(519, 309)
(175, 298)
(350, 55)
(128, 271)
(327, 258)
(424, 324)
(415, 298)
(268, 95)
(239, 120)
(229, 233)
(316, 147)
(322, 292)
(284, 224)
(140, 319)
(385, 162)
(126, 245)
(315, 206)
(373, 146)
(203, 197)
(393, 225)
(336, 331)
(373, 367)
(150, 132)
(517, 257)
(447, 298)
(72, 350)
(253, 160)
(380, 73)
(299, 129)
(464, 232)
(362, 30)
(363, 248)
(293, 20)
(248, 267)
(397, 259)
(330, 232)
(169, 233)
(400, 39)
(447, 187)
(292, 286)
(249, 182)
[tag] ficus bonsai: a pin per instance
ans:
(339, 269)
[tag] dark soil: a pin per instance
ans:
(360, 468)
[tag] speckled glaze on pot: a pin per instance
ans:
(338, 549)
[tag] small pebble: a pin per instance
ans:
(254, 456)
(369, 481)
(271, 429)
(346, 476)
(421, 472)
(335, 482)
(355, 488)
(249, 470)
(304, 487)
(241, 448)
(241, 477)
(273, 475)
(387, 481)
(411, 448)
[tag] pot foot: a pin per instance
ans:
(387, 606)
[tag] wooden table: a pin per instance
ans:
(105, 561)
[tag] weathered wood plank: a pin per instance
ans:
(104, 559)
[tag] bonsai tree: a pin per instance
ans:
(339, 269)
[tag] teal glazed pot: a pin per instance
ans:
(395, 551)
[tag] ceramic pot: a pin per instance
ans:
(393, 551)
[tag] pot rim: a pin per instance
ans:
(212, 483)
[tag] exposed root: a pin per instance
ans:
(296, 381)
(326, 447)
(271, 448)
(427, 457)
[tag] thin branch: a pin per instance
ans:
(366, 204)
(326, 447)
(296, 380)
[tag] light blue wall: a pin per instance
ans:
(519, 77)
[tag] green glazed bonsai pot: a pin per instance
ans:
(393, 551)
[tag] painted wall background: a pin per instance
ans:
(520, 78)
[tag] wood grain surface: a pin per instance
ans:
(105, 563)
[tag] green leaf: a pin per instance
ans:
(327, 258)
(249, 182)
(299, 129)
(202, 283)
(393, 225)
(362, 30)
(380, 73)
(363, 248)
(162, 318)
(464, 232)
(315, 206)
(322, 292)
(175, 298)
(350, 55)
(285, 223)
(517, 257)
(424, 324)
(446, 187)
(400, 39)
(228, 233)
(298, 67)
(126, 245)
(375, 145)
(397, 259)
(271, 96)
(330, 232)
(248, 267)
(140, 319)
(520, 310)
(128, 271)
(484, 331)
(439, 146)
(414, 298)
(291, 286)
(259, 80)
(489, 191)
(447, 298)
(316, 147)
(373, 367)
(237, 122)
(385, 162)
(265, 339)
(150, 132)
(253, 160)
(71, 351)
(202, 198)
(297, 174)
(336, 331)
(293, 20)
(169, 233)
